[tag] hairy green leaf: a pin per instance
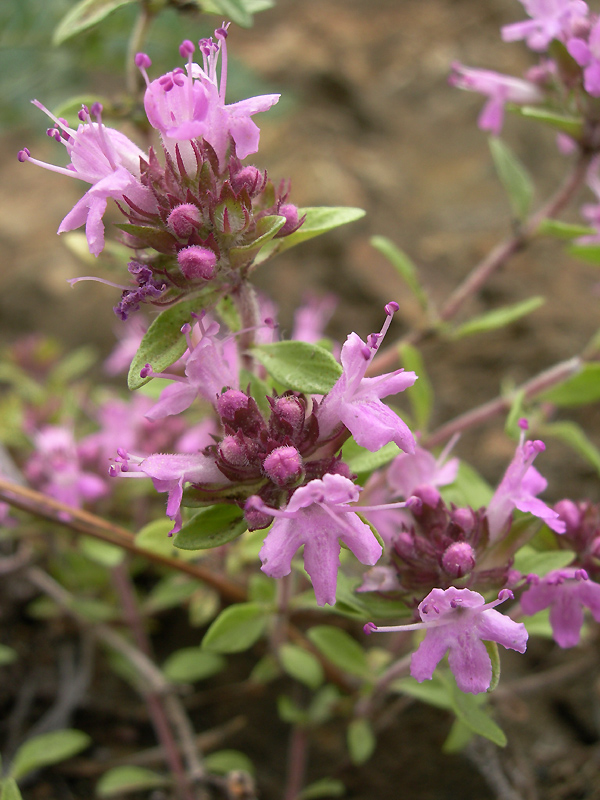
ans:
(300, 366)
(84, 15)
(211, 527)
(498, 318)
(236, 628)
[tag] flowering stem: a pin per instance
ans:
(476, 416)
(90, 525)
(496, 259)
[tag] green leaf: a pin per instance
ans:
(103, 553)
(223, 761)
(573, 435)
(121, 780)
(326, 787)
(514, 177)
(434, 692)
(266, 228)
(468, 709)
(83, 16)
(235, 10)
(46, 749)
(420, 394)
(586, 252)
(299, 366)
(492, 651)
(340, 648)
(469, 489)
(403, 266)
(155, 537)
(361, 741)
(236, 628)
(563, 230)
(172, 590)
(322, 705)
(576, 391)
(301, 665)
(192, 664)
(211, 527)
(459, 737)
(163, 342)
(361, 460)
(572, 126)
(10, 790)
(541, 563)
(539, 624)
(7, 655)
(318, 220)
(511, 426)
(289, 711)
(498, 318)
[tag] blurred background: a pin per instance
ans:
(366, 119)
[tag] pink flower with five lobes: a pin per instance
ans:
(517, 489)
(104, 157)
(355, 401)
(457, 622)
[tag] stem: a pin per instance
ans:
(157, 685)
(366, 706)
(296, 761)
(90, 525)
(540, 383)
(156, 703)
(248, 309)
(496, 259)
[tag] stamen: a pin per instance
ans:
(73, 281)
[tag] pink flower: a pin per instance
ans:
(518, 488)
(355, 401)
(104, 157)
(169, 473)
(500, 89)
(190, 104)
(550, 19)
(318, 516)
(566, 592)
(211, 364)
(457, 622)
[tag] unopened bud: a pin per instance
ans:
(458, 560)
(232, 451)
(464, 518)
(288, 412)
(184, 219)
(249, 178)
(290, 212)
(283, 466)
(569, 513)
(197, 262)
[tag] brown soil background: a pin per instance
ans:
(375, 125)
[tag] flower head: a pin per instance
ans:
(318, 516)
(457, 622)
(566, 592)
(355, 401)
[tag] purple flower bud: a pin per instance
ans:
(288, 413)
(428, 494)
(197, 262)
(283, 466)
(459, 559)
(184, 219)
(464, 518)
(569, 513)
(230, 402)
(290, 212)
(249, 178)
(232, 451)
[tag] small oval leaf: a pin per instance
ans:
(236, 629)
(300, 366)
(211, 527)
(121, 780)
(46, 749)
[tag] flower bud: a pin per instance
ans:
(232, 451)
(290, 212)
(240, 413)
(459, 559)
(569, 513)
(464, 518)
(249, 178)
(283, 466)
(287, 415)
(184, 219)
(197, 262)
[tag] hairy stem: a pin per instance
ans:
(491, 263)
